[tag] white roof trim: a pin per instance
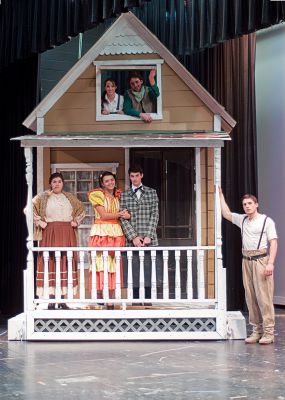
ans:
(127, 19)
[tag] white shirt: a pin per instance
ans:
(111, 106)
(58, 208)
(138, 192)
(252, 230)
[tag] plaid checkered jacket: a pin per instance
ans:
(144, 215)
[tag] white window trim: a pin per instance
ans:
(127, 65)
(112, 167)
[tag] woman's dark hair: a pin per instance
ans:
(55, 175)
(102, 176)
(103, 100)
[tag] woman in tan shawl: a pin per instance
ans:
(57, 215)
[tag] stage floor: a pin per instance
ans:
(143, 370)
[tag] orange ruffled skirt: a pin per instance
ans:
(106, 241)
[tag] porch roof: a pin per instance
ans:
(127, 140)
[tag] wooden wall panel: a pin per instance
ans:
(208, 215)
(75, 110)
(80, 155)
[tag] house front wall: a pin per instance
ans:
(75, 111)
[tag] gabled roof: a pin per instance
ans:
(130, 35)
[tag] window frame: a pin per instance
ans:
(127, 65)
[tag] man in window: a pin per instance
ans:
(140, 100)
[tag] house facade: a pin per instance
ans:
(180, 152)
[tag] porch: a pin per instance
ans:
(180, 305)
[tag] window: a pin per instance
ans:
(79, 179)
(118, 71)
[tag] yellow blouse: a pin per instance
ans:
(111, 204)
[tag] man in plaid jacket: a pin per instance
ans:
(140, 230)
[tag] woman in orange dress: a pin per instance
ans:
(106, 230)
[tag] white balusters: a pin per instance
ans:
(93, 275)
(130, 274)
(201, 275)
(69, 275)
(82, 277)
(57, 275)
(118, 274)
(189, 275)
(177, 275)
(106, 277)
(184, 263)
(153, 275)
(46, 274)
(141, 291)
(165, 275)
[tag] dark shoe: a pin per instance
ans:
(51, 306)
(63, 306)
(110, 306)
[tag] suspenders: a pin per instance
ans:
(263, 226)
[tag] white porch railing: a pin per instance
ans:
(181, 273)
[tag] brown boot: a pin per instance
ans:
(267, 338)
(253, 338)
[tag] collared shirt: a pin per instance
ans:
(138, 192)
(252, 230)
(111, 106)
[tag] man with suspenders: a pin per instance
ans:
(259, 249)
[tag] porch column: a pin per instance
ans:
(29, 294)
(220, 272)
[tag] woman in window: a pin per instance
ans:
(112, 102)
(106, 231)
(57, 215)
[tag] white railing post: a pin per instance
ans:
(153, 274)
(130, 274)
(57, 276)
(46, 275)
(93, 275)
(177, 275)
(165, 275)
(189, 275)
(69, 275)
(82, 275)
(106, 277)
(220, 272)
(201, 274)
(29, 291)
(141, 289)
(118, 274)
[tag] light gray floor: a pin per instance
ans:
(143, 370)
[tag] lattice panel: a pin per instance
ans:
(126, 325)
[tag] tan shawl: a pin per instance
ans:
(40, 205)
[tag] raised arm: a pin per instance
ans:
(226, 212)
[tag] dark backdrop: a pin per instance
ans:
(30, 27)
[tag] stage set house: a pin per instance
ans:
(180, 152)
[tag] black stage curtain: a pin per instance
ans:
(227, 72)
(33, 26)
(18, 98)
(184, 26)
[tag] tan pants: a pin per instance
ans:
(258, 293)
